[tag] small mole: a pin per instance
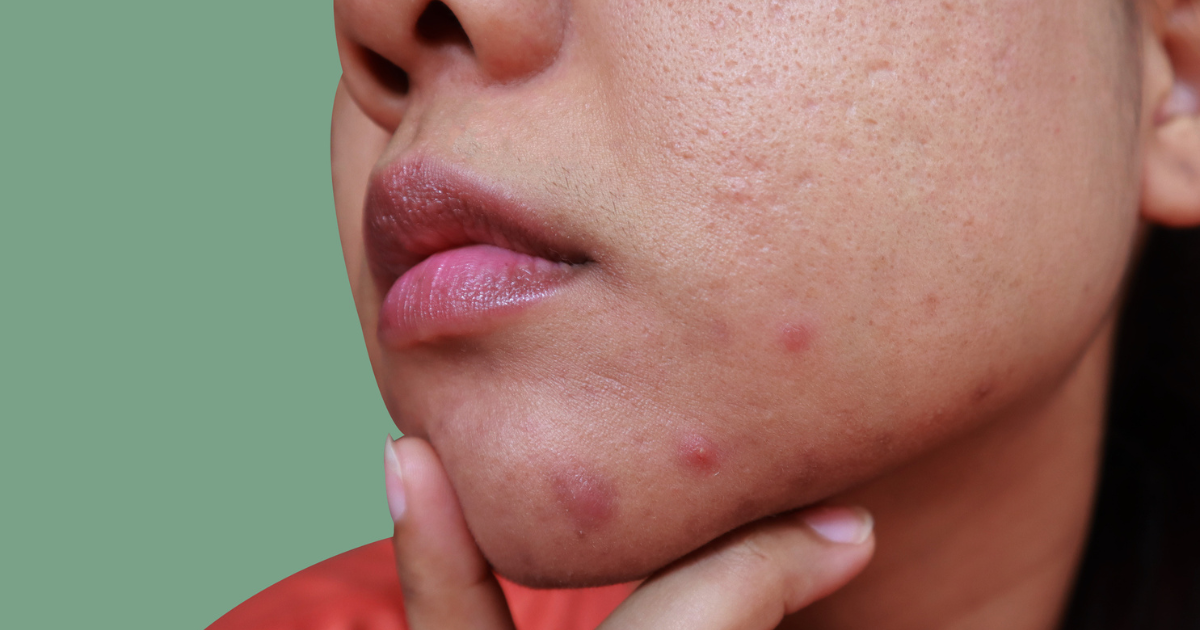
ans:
(586, 496)
(796, 337)
(700, 454)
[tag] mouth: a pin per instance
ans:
(454, 255)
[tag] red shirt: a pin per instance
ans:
(359, 589)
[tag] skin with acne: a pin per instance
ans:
(700, 455)
(588, 499)
(737, 173)
(796, 337)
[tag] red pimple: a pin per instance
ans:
(699, 454)
(588, 498)
(796, 336)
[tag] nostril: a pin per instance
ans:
(438, 25)
(392, 77)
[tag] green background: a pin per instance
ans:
(186, 407)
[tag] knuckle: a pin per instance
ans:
(774, 565)
(752, 569)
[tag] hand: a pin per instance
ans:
(750, 578)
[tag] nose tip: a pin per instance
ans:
(512, 40)
(388, 47)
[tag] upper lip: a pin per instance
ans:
(418, 207)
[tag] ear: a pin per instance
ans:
(1171, 80)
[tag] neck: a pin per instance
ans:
(987, 531)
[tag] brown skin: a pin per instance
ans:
(858, 251)
(750, 578)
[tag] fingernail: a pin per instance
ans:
(845, 525)
(395, 480)
(1182, 100)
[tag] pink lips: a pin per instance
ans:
(455, 255)
(455, 291)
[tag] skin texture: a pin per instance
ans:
(853, 251)
(750, 578)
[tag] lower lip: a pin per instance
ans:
(464, 291)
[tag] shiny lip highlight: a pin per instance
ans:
(419, 207)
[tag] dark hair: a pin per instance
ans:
(1141, 568)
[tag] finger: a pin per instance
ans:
(751, 579)
(447, 583)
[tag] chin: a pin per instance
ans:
(570, 515)
(571, 531)
(536, 560)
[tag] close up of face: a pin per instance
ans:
(643, 271)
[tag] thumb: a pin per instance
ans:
(753, 577)
(446, 581)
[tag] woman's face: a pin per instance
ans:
(814, 239)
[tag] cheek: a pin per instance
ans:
(764, 200)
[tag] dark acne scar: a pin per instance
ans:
(587, 497)
(699, 454)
